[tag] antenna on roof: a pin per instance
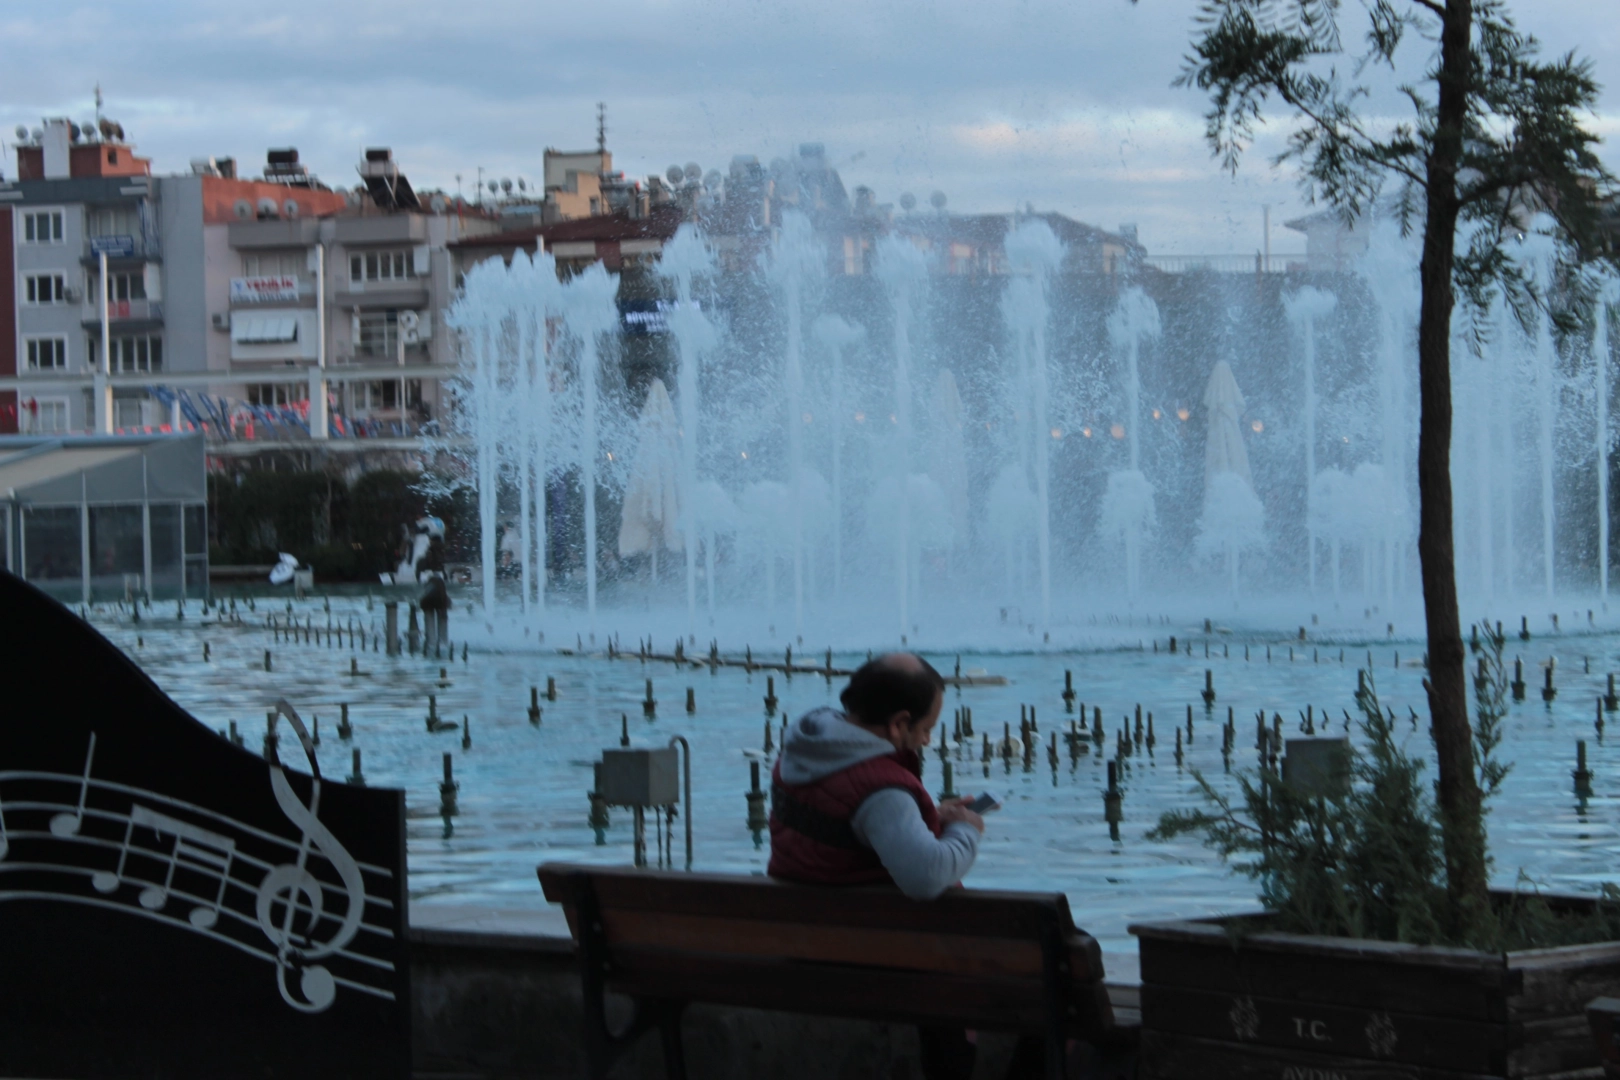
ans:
(601, 127)
(98, 103)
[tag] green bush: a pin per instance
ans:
(1363, 860)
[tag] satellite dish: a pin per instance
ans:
(437, 204)
(506, 184)
(268, 207)
(290, 208)
(494, 185)
(675, 174)
(22, 133)
(73, 131)
(37, 134)
(713, 179)
(937, 200)
(521, 185)
(243, 210)
(409, 320)
(908, 201)
(693, 171)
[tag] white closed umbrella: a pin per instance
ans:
(1223, 446)
(652, 499)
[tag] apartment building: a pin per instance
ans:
(212, 274)
(83, 200)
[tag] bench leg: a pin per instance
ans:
(669, 1031)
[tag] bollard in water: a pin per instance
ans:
(770, 745)
(448, 788)
(1113, 800)
(1600, 719)
(466, 732)
(270, 737)
(534, 705)
(1518, 679)
(1068, 688)
(205, 652)
(267, 659)
(1610, 702)
(1524, 628)
(770, 695)
(949, 791)
(691, 700)
(345, 729)
(1178, 747)
(315, 730)
(1583, 778)
(235, 736)
(758, 820)
(1151, 740)
(649, 704)
(356, 777)
(391, 626)
(1209, 690)
(1139, 724)
(1189, 725)
(624, 729)
(551, 688)
(1548, 691)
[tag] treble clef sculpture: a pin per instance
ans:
(286, 883)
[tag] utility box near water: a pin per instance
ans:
(1317, 766)
(638, 777)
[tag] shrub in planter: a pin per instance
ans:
(1355, 968)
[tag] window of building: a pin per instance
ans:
(379, 333)
(45, 288)
(269, 264)
(138, 353)
(45, 416)
(380, 266)
(129, 285)
(47, 353)
(276, 393)
(42, 227)
(114, 221)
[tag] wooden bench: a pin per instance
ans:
(982, 959)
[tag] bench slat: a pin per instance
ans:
(991, 1003)
(969, 913)
(906, 949)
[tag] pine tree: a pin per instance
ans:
(1495, 133)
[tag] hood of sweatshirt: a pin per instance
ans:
(822, 742)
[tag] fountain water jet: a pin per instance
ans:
(1305, 307)
(685, 257)
(904, 274)
(1134, 321)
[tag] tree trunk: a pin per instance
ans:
(1462, 823)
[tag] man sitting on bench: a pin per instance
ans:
(847, 804)
(849, 808)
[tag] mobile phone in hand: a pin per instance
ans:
(985, 802)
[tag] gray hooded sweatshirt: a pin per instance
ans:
(823, 742)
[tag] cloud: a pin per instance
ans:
(996, 102)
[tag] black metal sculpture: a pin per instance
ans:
(173, 905)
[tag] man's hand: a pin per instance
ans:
(956, 810)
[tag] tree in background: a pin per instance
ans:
(1493, 134)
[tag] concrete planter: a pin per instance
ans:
(1222, 999)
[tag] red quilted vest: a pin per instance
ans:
(811, 837)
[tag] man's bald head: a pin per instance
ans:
(890, 684)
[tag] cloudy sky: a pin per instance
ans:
(997, 103)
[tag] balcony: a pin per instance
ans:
(126, 315)
(123, 251)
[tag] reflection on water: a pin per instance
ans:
(522, 797)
